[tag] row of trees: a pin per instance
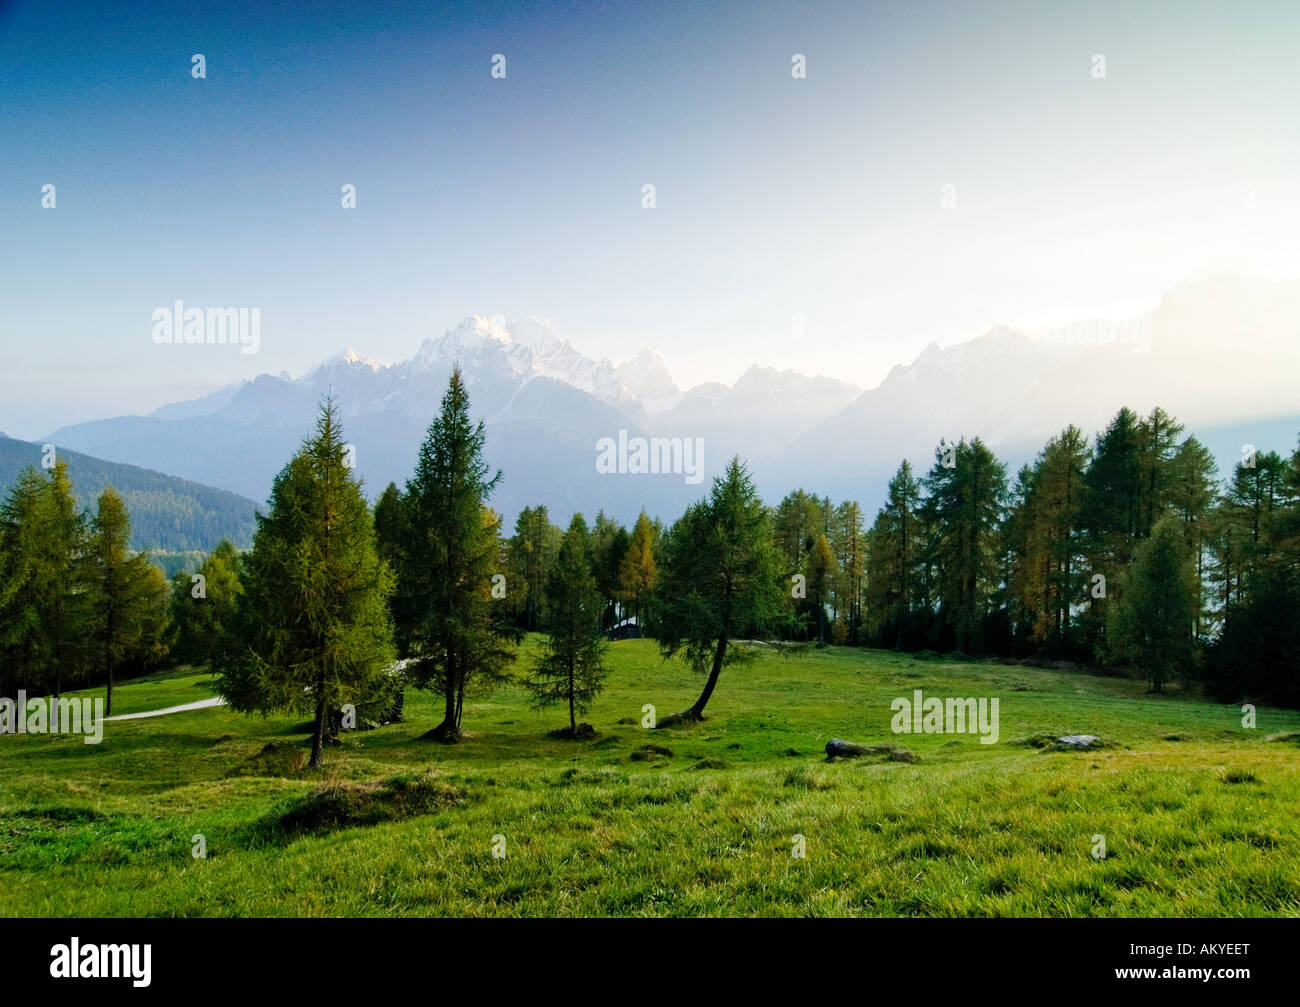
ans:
(1126, 551)
(332, 594)
(76, 605)
(622, 562)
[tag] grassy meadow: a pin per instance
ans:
(1201, 817)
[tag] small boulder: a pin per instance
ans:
(1078, 740)
(839, 748)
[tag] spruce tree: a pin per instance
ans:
(1150, 624)
(894, 550)
(609, 544)
(966, 500)
(451, 552)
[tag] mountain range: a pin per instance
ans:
(545, 405)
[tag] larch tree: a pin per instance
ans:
(43, 540)
(720, 581)
(312, 629)
(124, 597)
(637, 573)
(822, 572)
(572, 667)
(849, 544)
(1192, 486)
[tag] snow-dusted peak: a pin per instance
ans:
(477, 340)
(536, 333)
(646, 377)
(346, 357)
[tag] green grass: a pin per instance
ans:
(1201, 817)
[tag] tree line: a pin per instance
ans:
(1127, 552)
(76, 604)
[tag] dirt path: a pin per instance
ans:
(202, 704)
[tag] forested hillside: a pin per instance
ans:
(168, 515)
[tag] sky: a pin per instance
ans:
(1073, 194)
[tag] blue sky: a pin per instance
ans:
(776, 197)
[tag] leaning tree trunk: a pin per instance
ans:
(696, 712)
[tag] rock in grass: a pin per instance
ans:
(838, 748)
(1078, 740)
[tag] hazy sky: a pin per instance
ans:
(821, 197)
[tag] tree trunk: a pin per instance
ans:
(108, 697)
(696, 712)
(318, 735)
(448, 731)
(573, 723)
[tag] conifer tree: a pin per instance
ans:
(849, 545)
(312, 630)
(532, 552)
(452, 549)
(965, 501)
(894, 547)
(125, 595)
(609, 544)
(1112, 517)
(201, 608)
(572, 668)
(1150, 624)
(637, 573)
(719, 582)
(42, 546)
(1192, 485)
(822, 573)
